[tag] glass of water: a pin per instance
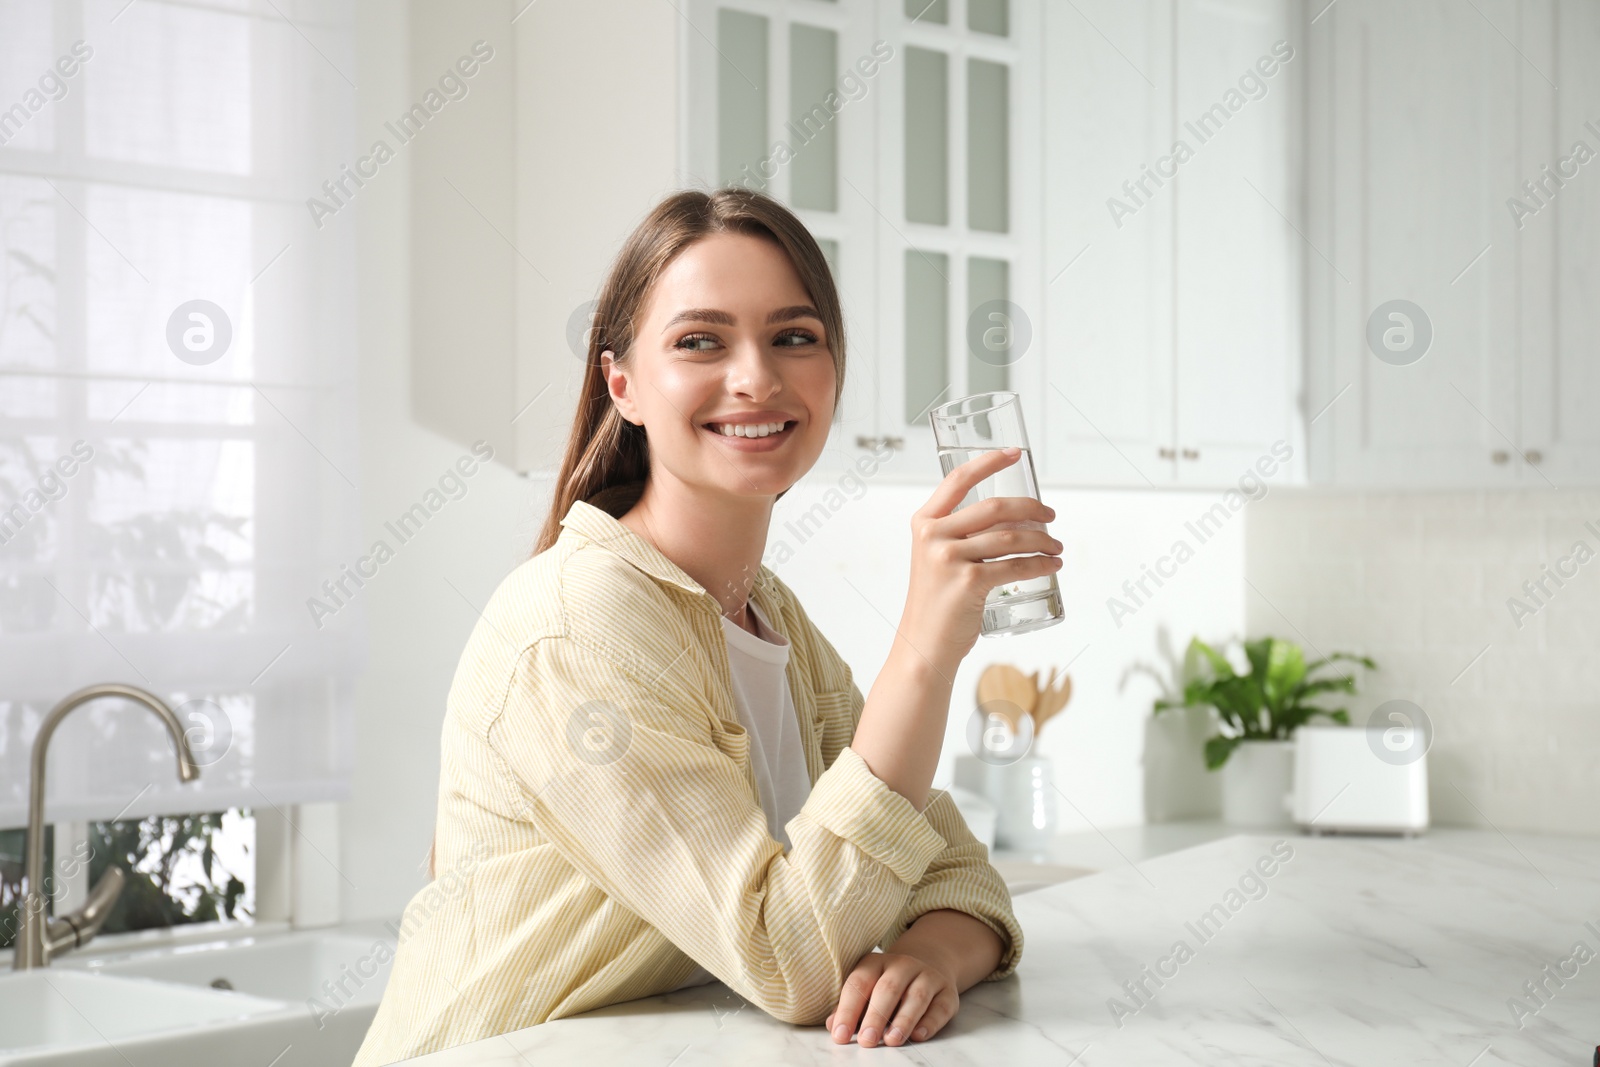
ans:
(988, 422)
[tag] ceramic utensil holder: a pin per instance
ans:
(1024, 794)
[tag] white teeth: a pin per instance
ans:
(754, 430)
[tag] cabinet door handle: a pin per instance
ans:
(863, 441)
(1533, 455)
(1191, 453)
(1166, 453)
(1499, 455)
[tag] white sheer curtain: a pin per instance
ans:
(177, 397)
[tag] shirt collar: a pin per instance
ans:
(606, 531)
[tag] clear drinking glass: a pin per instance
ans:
(987, 422)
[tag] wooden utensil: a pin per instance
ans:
(1052, 698)
(1005, 691)
(991, 690)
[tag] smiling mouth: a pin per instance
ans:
(712, 429)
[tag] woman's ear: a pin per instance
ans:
(618, 386)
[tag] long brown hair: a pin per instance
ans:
(607, 458)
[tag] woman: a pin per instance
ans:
(656, 772)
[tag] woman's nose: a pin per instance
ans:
(754, 371)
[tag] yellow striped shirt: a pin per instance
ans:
(599, 828)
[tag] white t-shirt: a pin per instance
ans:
(766, 710)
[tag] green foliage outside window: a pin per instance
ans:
(159, 855)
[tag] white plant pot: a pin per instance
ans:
(1258, 784)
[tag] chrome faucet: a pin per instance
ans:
(41, 939)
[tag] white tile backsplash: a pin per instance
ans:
(1420, 582)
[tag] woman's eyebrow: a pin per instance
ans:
(722, 318)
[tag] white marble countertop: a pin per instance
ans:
(1355, 950)
(1074, 855)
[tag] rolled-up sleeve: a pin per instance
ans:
(627, 770)
(960, 877)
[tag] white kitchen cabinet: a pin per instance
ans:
(1172, 259)
(782, 96)
(803, 99)
(511, 235)
(1033, 159)
(1560, 242)
(924, 188)
(1427, 120)
(1238, 281)
(956, 161)
(1415, 105)
(957, 206)
(1108, 282)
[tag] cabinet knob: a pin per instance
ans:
(1499, 455)
(1166, 453)
(1533, 455)
(1191, 453)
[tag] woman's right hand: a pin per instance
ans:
(953, 564)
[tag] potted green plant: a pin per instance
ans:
(1258, 712)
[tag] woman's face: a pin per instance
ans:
(728, 331)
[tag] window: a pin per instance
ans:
(188, 869)
(176, 376)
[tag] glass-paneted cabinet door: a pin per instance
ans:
(782, 97)
(957, 203)
(905, 134)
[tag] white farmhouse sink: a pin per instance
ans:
(336, 969)
(69, 1012)
(291, 999)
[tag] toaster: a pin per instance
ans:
(1360, 780)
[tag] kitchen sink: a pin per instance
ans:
(293, 967)
(66, 1012)
(291, 999)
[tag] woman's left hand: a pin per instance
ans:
(905, 997)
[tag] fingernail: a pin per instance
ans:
(920, 1032)
(841, 1032)
(896, 1034)
(869, 1036)
(1013, 451)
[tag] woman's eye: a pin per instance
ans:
(691, 341)
(703, 342)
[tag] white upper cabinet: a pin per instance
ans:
(1559, 234)
(1238, 282)
(1107, 95)
(1092, 205)
(1415, 120)
(782, 98)
(958, 214)
(1190, 234)
(521, 200)
(1172, 255)
(904, 134)
(1452, 337)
